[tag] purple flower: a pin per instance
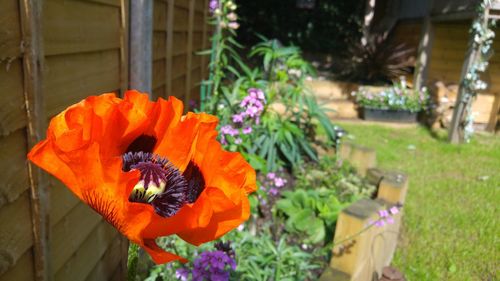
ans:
(389, 220)
(274, 191)
(238, 141)
(223, 140)
(279, 182)
(394, 210)
(212, 5)
(233, 25)
(271, 176)
(238, 118)
(247, 130)
(182, 274)
(214, 265)
(380, 223)
(383, 213)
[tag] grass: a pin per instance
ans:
(451, 227)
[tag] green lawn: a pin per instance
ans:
(451, 228)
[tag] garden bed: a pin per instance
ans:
(389, 115)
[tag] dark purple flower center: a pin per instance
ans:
(161, 183)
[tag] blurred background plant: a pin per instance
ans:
(396, 97)
(379, 61)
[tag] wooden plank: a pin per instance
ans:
(116, 3)
(89, 254)
(70, 27)
(159, 45)
(199, 21)
(124, 43)
(197, 41)
(189, 59)
(10, 31)
(14, 180)
(196, 62)
(160, 92)
(180, 41)
(179, 63)
(159, 67)
(184, 4)
(169, 47)
(159, 16)
(16, 235)
(195, 78)
(205, 40)
(70, 232)
(178, 87)
(23, 270)
(63, 201)
(181, 19)
(109, 267)
(71, 78)
(13, 114)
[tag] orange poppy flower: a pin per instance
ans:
(147, 169)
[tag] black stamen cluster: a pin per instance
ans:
(180, 188)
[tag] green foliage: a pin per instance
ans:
(258, 257)
(282, 138)
(320, 193)
(397, 97)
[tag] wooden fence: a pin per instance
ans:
(54, 53)
(362, 257)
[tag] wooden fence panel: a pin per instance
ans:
(179, 34)
(447, 57)
(80, 50)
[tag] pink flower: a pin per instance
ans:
(247, 130)
(279, 182)
(271, 176)
(394, 210)
(383, 213)
(389, 220)
(233, 25)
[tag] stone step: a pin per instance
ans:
(342, 108)
(325, 89)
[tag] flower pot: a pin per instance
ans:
(389, 115)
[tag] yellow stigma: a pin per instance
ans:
(141, 194)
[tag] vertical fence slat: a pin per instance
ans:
(124, 46)
(189, 59)
(169, 45)
(32, 63)
(204, 43)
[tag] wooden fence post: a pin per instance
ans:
(141, 41)
(33, 96)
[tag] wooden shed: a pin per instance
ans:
(440, 29)
(54, 53)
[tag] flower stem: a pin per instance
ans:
(133, 259)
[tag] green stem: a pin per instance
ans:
(352, 236)
(133, 259)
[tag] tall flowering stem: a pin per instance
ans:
(224, 20)
(480, 51)
(385, 216)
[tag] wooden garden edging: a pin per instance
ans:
(363, 257)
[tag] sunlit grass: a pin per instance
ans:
(451, 226)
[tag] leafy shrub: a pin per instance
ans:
(397, 97)
(258, 257)
(379, 61)
(321, 192)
